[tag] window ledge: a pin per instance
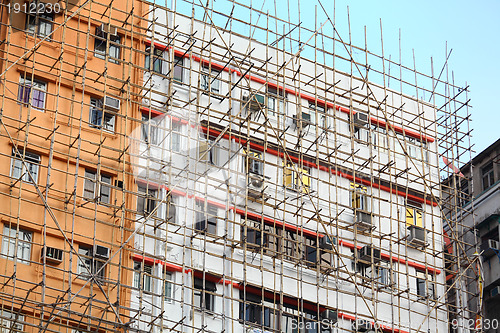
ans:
(50, 42)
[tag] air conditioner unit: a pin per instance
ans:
(255, 185)
(360, 118)
(486, 248)
(417, 236)
(367, 252)
(256, 102)
(493, 244)
(110, 103)
(363, 220)
(108, 29)
(325, 243)
(101, 252)
(495, 291)
(329, 315)
(305, 119)
(52, 255)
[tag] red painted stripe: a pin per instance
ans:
(255, 146)
(154, 113)
(307, 97)
(157, 45)
(387, 257)
(150, 261)
(273, 222)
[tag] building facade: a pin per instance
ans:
(184, 169)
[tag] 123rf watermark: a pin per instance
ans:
(479, 324)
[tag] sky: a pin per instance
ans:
(469, 29)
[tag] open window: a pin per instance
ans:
(206, 218)
(107, 43)
(146, 199)
(92, 261)
(20, 170)
(210, 79)
(97, 187)
(413, 215)
(204, 294)
(103, 113)
(32, 92)
(154, 59)
(359, 197)
(143, 276)
(39, 23)
(297, 178)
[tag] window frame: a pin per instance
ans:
(358, 197)
(100, 117)
(150, 128)
(210, 79)
(291, 178)
(175, 141)
(90, 261)
(27, 90)
(414, 213)
(33, 162)
(168, 284)
(98, 187)
(425, 286)
(112, 46)
(487, 175)
(34, 22)
(254, 162)
(204, 296)
(178, 69)
(143, 276)
(7, 318)
(158, 59)
(149, 197)
(19, 241)
(206, 218)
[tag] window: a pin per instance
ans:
(208, 151)
(20, 170)
(425, 285)
(206, 220)
(100, 192)
(292, 245)
(150, 131)
(168, 286)
(10, 322)
(464, 192)
(210, 79)
(143, 276)
(157, 62)
(359, 197)
(16, 244)
(254, 163)
(91, 263)
(313, 255)
(32, 92)
(107, 43)
(296, 178)
(203, 294)
(414, 216)
(178, 69)
(101, 117)
(170, 210)
(146, 200)
(254, 310)
(38, 23)
(175, 136)
(275, 102)
(319, 111)
(488, 175)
